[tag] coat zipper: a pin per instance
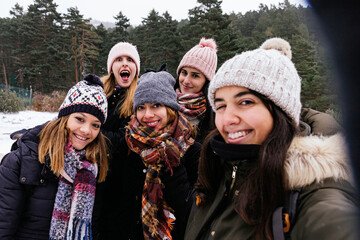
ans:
(233, 176)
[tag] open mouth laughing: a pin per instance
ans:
(125, 74)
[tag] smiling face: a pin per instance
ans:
(241, 117)
(191, 80)
(153, 115)
(124, 70)
(83, 128)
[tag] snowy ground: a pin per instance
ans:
(11, 122)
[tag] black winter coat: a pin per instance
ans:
(114, 126)
(27, 191)
(117, 212)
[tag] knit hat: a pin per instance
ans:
(202, 57)
(86, 96)
(156, 87)
(123, 48)
(265, 71)
(279, 44)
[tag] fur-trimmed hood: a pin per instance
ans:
(315, 158)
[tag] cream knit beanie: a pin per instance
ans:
(202, 57)
(265, 71)
(279, 44)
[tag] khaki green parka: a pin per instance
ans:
(326, 207)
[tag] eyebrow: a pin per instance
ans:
(236, 96)
(84, 115)
(191, 71)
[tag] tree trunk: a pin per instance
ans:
(82, 52)
(4, 68)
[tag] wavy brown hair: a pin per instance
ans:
(125, 105)
(263, 189)
(53, 138)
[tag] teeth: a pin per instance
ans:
(81, 138)
(152, 123)
(237, 134)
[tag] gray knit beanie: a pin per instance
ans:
(265, 71)
(156, 87)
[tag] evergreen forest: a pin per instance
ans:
(48, 50)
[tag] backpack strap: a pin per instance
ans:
(284, 216)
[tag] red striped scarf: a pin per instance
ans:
(158, 150)
(192, 106)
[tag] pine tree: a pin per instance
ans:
(83, 41)
(207, 20)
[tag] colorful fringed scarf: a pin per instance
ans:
(71, 217)
(158, 150)
(193, 106)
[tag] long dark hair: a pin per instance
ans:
(263, 189)
(208, 121)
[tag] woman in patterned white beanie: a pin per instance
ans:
(195, 72)
(254, 159)
(47, 184)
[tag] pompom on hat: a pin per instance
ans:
(86, 96)
(202, 57)
(279, 44)
(265, 71)
(120, 49)
(156, 87)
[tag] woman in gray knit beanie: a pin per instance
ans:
(158, 168)
(254, 160)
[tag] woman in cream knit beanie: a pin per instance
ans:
(195, 71)
(254, 159)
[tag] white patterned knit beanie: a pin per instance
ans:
(202, 57)
(123, 49)
(265, 71)
(86, 96)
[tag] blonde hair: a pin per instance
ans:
(53, 138)
(125, 105)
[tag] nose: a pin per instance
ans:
(85, 128)
(187, 79)
(124, 62)
(230, 117)
(148, 113)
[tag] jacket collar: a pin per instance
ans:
(234, 151)
(316, 158)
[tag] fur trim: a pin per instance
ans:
(314, 158)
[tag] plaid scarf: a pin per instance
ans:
(158, 150)
(193, 106)
(71, 217)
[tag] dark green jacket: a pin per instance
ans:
(318, 123)
(326, 207)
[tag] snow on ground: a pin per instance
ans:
(11, 122)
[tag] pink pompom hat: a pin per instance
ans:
(202, 57)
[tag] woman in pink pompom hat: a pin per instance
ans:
(195, 71)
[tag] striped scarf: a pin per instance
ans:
(158, 150)
(193, 106)
(71, 217)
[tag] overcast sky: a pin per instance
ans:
(136, 10)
